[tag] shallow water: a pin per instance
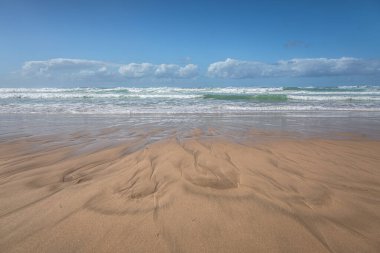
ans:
(157, 126)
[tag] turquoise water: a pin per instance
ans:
(171, 100)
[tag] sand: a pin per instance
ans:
(194, 194)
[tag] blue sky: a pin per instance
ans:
(189, 43)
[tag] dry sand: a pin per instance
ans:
(192, 194)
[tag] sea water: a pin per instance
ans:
(172, 100)
(168, 111)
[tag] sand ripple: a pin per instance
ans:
(193, 194)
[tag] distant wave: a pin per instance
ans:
(258, 98)
(335, 98)
(326, 89)
(122, 100)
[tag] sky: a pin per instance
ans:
(189, 43)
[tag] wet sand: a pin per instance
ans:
(194, 191)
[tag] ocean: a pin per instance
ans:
(172, 100)
(229, 111)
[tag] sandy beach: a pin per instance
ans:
(189, 191)
(189, 126)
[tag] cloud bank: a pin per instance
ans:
(62, 68)
(307, 67)
(136, 70)
(84, 71)
(68, 69)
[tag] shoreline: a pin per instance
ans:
(317, 124)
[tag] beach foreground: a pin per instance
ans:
(189, 192)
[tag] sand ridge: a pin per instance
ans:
(194, 194)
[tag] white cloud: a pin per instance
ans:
(80, 70)
(307, 67)
(190, 70)
(61, 67)
(166, 70)
(136, 70)
(74, 69)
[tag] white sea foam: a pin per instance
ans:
(136, 100)
(335, 98)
